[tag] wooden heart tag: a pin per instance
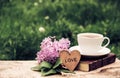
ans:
(70, 59)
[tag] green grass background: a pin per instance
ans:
(21, 20)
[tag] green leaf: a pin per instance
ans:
(58, 62)
(36, 68)
(44, 69)
(45, 64)
(66, 71)
(50, 72)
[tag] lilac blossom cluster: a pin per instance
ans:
(50, 49)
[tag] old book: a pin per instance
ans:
(92, 64)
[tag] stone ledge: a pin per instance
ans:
(22, 69)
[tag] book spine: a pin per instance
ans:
(95, 65)
(92, 65)
(108, 60)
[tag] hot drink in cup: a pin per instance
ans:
(91, 42)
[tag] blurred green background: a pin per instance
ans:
(25, 23)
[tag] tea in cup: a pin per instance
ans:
(91, 42)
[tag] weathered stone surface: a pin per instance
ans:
(22, 69)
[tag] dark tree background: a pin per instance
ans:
(25, 23)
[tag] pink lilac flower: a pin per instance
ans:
(64, 44)
(50, 49)
(46, 41)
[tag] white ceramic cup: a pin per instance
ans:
(91, 42)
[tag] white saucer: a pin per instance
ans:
(103, 51)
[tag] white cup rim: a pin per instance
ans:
(81, 35)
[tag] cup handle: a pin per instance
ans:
(108, 41)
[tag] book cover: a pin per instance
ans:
(92, 64)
